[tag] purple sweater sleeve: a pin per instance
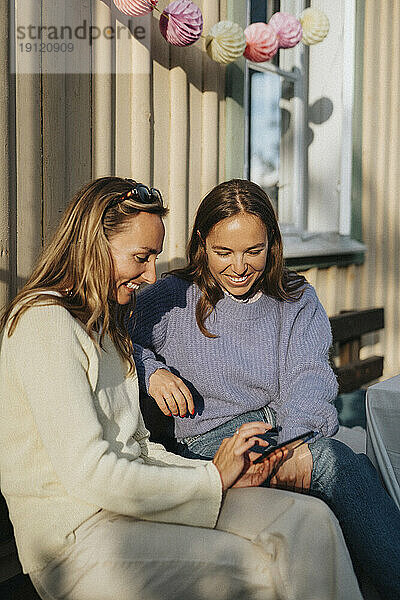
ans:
(149, 327)
(308, 385)
(146, 364)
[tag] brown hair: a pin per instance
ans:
(77, 262)
(226, 200)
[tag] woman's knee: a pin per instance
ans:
(247, 512)
(315, 510)
(334, 456)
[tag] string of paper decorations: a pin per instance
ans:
(181, 24)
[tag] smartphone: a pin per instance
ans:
(290, 444)
(269, 436)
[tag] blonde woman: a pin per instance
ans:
(98, 511)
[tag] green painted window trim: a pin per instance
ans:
(235, 136)
(324, 262)
(356, 187)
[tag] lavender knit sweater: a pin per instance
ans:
(268, 352)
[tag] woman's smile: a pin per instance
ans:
(239, 281)
(237, 249)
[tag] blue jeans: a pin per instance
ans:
(206, 444)
(350, 486)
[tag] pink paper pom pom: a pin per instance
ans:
(261, 42)
(181, 23)
(135, 8)
(287, 28)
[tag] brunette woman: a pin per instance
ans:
(235, 337)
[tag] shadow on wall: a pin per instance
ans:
(318, 113)
(188, 58)
(5, 276)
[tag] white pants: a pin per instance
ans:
(268, 544)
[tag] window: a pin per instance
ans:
(299, 134)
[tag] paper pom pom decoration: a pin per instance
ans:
(225, 42)
(181, 23)
(135, 8)
(261, 42)
(287, 28)
(315, 26)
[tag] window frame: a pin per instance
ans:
(297, 75)
(302, 247)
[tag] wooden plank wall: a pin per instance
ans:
(153, 113)
(7, 197)
(377, 282)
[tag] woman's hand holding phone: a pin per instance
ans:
(254, 474)
(235, 461)
(294, 472)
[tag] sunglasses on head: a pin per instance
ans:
(144, 194)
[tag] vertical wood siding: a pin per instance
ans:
(157, 120)
(7, 197)
(377, 281)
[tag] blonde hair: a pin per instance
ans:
(77, 263)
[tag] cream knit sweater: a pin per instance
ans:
(73, 441)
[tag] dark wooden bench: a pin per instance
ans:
(348, 327)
